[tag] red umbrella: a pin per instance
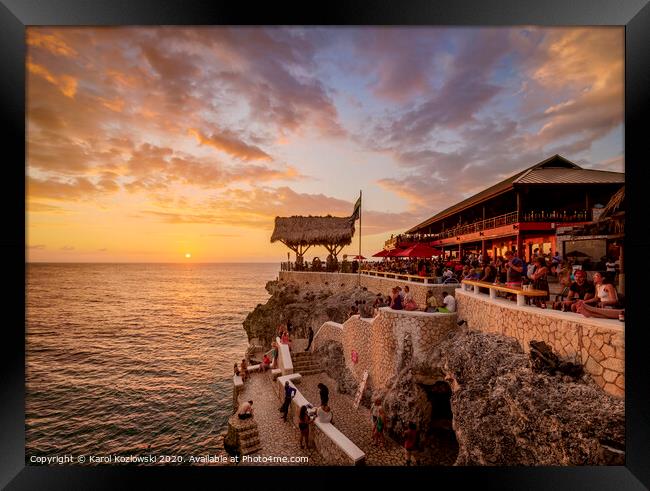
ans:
(358, 257)
(382, 253)
(420, 250)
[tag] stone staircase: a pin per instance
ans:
(304, 363)
(243, 436)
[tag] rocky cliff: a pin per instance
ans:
(304, 306)
(504, 411)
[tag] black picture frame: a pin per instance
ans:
(15, 15)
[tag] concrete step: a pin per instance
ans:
(310, 372)
(302, 354)
(312, 366)
(249, 443)
(248, 435)
(250, 450)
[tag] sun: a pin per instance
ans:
(188, 255)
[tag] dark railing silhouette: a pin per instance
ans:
(501, 220)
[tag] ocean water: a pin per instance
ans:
(121, 357)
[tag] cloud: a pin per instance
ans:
(65, 83)
(37, 247)
(67, 248)
(227, 142)
(50, 42)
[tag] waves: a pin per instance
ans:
(123, 357)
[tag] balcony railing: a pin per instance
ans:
(507, 219)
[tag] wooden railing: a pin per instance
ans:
(522, 295)
(427, 280)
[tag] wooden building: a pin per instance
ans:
(520, 213)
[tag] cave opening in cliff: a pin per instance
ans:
(441, 435)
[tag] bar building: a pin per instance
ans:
(520, 213)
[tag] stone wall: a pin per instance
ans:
(597, 344)
(379, 342)
(374, 284)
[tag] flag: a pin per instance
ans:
(357, 209)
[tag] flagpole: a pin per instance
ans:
(359, 268)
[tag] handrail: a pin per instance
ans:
(520, 292)
(427, 280)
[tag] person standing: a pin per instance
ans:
(514, 267)
(410, 443)
(244, 370)
(378, 429)
(324, 393)
(311, 338)
(289, 393)
(303, 424)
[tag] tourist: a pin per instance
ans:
(245, 410)
(236, 370)
(244, 370)
(489, 274)
(599, 312)
(324, 394)
(310, 338)
(289, 327)
(450, 303)
(396, 300)
(266, 363)
(378, 429)
(365, 311)
(324, 414)
(374, 412)
(303, 424)
(448, 274)
(409, 301)
(410, 443)
(379, 302)
(606, 296)
(580, 289)
(274, 354)
(289, 393)
(514, 268)
(431, 302)
(540, 281)
(354, 309)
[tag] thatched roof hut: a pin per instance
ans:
(613, 205)
(299, 233)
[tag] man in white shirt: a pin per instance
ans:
(450, 303)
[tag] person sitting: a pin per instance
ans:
(324, 414)
(489, 274)
(354, 309)
(245, 410)
(431, 302)
(580, 289)
(409, 301)
(606, 296)
(396, 300)
(266, 363)
(364, 310)
(449, 302)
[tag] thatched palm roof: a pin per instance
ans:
(298, 230)
(614, 204)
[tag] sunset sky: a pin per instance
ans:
(153, 144)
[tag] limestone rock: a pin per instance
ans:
(303, 306)
(507, 414)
